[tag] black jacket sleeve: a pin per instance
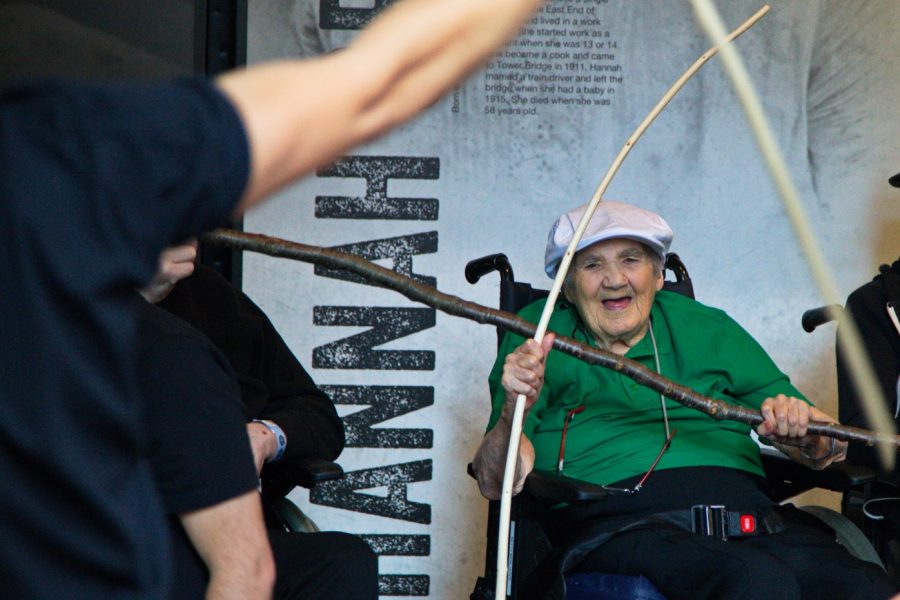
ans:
(274, 385)
(868, 305)
(277, 387)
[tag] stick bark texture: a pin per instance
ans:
(458, 307)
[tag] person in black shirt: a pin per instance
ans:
(94, 181)
(277, 392)
(190, 383)
(201, 460)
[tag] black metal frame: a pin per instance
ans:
(220, 44)
(278, 482)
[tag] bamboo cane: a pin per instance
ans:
(863, 377)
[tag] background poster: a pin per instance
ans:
(490, 167)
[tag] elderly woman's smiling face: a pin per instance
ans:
(612, 284)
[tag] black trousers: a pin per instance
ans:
(803, 561)
(323, 566)
(310, 566)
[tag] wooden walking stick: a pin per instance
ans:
(452, 305)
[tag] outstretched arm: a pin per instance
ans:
(300, 115)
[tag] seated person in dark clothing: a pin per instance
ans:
(875, 307)
(277, 392)
(595, 424)
(293, 418)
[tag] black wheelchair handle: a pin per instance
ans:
(478, 267)
(819, 316)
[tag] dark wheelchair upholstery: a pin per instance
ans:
(528, 543)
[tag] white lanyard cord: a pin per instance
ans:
(662, 399)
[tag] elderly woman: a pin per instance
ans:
(594, 424)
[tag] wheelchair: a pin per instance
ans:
(528, 543)
(279, 512)
(873, 506)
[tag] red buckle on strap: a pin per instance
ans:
(748, 524)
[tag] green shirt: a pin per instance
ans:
(621, 430)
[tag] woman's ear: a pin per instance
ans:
(567, 283)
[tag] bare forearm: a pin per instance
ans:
(239, 585)
(490, 461)
(231, 539)
(426, 46)
(301, 115)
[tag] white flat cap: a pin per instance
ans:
(611, 220)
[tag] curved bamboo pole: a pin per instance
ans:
(458, 307)
(863, 377)
(512, 454)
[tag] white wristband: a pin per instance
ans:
(280, 438)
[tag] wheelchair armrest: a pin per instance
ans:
(279, 479)
(789, 478)
(542, 491)
(814, 317)
(549, 485)
(848, 475)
